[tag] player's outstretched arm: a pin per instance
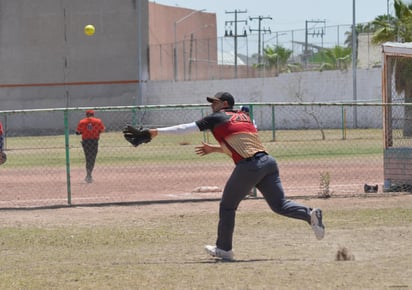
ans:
(153, 132)
(137, 136)
(206, 148)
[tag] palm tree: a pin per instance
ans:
(399, 29)
(360, 28)
(384, 28)
(334, 58)
(276, 57)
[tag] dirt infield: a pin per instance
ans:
(98, 215)
(48, 187)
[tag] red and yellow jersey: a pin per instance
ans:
(90, 128)
(235, 133)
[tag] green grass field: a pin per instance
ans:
(114, 150)
(160, 246)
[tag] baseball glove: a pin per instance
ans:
(136, 136)
(3, 158)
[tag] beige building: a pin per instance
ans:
(369, 55)
(183, 46)
(182, 43)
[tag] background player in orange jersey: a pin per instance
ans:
(1, 137)
(90, 128)
(3, 156)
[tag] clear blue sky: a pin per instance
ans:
(289, 14)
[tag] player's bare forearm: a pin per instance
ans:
(153, 132)
(206, 148)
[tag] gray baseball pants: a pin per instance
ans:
(262, 172)
(90, 148)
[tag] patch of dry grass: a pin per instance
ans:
(161, 247)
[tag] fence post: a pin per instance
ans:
(205, 134)
(273, 124)
(67, 149)
(343, 123)
(251, 115)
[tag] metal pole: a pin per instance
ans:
(354, 60)
(305, 54)
(387, 10)
(259, 51)
(139, 100)
(67, 149)
(235, 44)
(273, 124)
(293, 46)
(175, 40)
(174, 53)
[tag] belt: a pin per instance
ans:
(256, 156)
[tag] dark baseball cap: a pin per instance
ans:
(222, 96)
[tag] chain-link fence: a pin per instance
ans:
(319, 148)
(398, 117)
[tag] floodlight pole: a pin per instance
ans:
(354, 61)
(387, 11)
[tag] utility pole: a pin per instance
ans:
(234, 34)
(259, 30)
(314, 33)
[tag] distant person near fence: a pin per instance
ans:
(246, 110)
(1, 137)
(3, 156)
(238, 138)
(90, 128)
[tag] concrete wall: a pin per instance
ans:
(47, 61)
(328, 86)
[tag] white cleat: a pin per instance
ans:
(316, 223)
(216, 252)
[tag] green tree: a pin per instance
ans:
(277, 57)
(334, 58)
(399, 29)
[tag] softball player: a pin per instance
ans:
(1, 137)
(90, 128)
(238, 138)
